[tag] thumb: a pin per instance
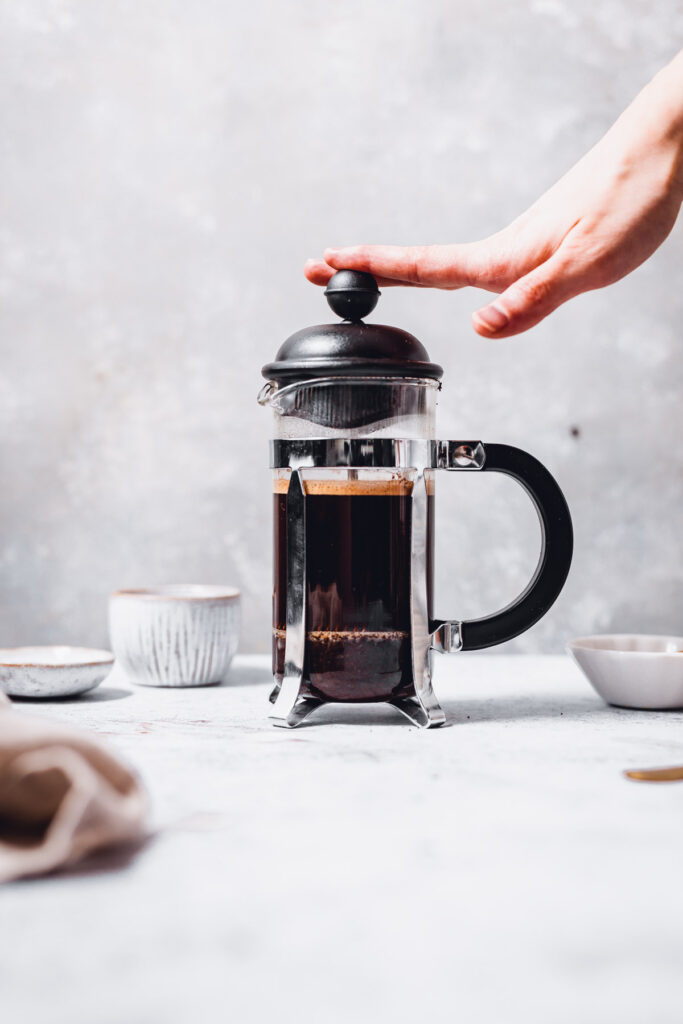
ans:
(530, 299)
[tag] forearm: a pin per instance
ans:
(654, 121)
(664, 94)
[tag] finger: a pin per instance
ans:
(530, 299)
(432, 266)
(320, 272)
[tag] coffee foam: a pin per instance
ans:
(397, 487)
(330, 636)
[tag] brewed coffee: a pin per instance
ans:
(358, 535)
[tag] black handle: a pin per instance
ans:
(557, 545)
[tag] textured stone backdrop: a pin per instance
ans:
(165, 169)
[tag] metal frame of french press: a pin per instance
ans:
(423, 457)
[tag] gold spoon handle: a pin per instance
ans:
(674, 774)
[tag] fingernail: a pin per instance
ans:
(332, 252)
(492, 317)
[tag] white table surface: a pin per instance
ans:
(359, 869)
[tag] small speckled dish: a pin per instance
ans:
(48, 672)
(633, 670)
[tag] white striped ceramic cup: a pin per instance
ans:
(181, 634)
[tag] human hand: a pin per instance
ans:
(604, 218)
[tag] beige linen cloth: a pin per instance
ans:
(62, 796)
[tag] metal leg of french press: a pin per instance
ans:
(423, 708)
(289, 708)
(298, 711)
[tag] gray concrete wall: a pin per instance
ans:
(165, 169)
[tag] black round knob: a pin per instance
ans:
(352, 294)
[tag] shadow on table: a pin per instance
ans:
(376, 715)
(458, 710)
(515, 708)
(465, 710)
(116, 858)
(248, 675)
(101, 693)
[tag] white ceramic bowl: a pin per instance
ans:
(52, 671)
(181, 634)
(633, 670)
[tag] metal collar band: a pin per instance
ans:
(376, 453)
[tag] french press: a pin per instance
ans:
(354, 462)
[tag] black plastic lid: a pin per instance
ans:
(351, 348)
